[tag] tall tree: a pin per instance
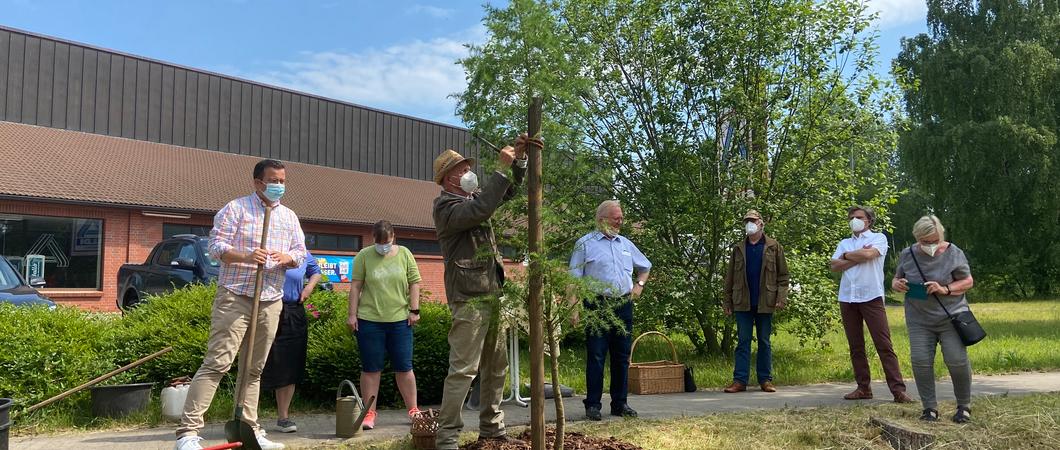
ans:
(982, 96)
(691, 112)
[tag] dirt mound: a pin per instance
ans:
(571, 441)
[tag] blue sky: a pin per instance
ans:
(394, 55)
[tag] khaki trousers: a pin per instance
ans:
(476, 346)
(229, 322)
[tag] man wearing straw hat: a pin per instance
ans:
(473, 273)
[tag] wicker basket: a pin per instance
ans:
(424, 429)
(656, 377)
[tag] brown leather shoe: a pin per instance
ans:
(736, 386)
(768, 387)
(901, 397)
(858, 394)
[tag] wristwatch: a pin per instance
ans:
(640, 283)
(414, 311)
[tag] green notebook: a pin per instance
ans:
(917, 291)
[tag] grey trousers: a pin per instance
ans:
(476, 347)
(922, 342)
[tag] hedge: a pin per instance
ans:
(49, 351)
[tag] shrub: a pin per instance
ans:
(180, 319)
(47, 351)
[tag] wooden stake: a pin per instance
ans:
(95, 381)
(537, 346)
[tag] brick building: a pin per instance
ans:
(105, 154)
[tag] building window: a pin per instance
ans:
(71, 247)
(172, 229)
(332, 242)
(421, 246)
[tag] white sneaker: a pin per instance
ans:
(188, 443)
(266, 444)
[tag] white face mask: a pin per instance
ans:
(929, 249)
(750, 228)
(383, 249)
(469, 182)
(857, 225)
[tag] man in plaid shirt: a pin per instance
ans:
(236, 241)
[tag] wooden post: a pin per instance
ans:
(537, 346)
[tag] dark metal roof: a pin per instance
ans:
(61, 84)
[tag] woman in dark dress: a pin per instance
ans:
(286, 363)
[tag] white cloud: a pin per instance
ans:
(433, 11)
(898, 12)
(415, 78)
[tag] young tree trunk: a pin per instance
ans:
(557, 395)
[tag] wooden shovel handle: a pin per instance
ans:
(252, 333)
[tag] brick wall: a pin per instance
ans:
(129, 237)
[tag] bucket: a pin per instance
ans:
(120, 400)
(5, 421)
(173, 398)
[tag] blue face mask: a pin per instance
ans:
(383, 249)
(273, 191)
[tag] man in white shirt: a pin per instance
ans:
(860, 259)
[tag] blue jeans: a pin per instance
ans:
(376, 340)
(597, 347)
(746, 323)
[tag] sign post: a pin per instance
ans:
(34, 269)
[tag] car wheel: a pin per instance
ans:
(131, 299)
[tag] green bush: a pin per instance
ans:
(333, 354)
(47, 351)
(180, 319)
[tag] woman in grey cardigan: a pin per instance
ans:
(946, 276)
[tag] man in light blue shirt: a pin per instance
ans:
(611, 260)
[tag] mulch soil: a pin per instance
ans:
(571, 441)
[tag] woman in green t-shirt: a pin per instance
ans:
(384, 305)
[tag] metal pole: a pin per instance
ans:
(537, 342)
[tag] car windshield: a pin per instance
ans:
(8, 278)
(204, 244)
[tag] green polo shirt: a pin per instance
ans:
(385, 291)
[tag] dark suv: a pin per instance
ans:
(174, 263)
(13, 289)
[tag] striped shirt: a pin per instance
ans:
(237, 227)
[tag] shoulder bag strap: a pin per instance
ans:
(912, 253)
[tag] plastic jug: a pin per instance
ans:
(173, 401)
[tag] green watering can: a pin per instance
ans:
(350, 411)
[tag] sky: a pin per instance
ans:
(395, 55)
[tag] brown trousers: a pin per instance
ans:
(873, 314)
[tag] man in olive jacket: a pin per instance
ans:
(473, 271)
(756, 284)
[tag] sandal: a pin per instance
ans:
(930, 415)
(963, 415)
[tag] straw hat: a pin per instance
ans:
(445, 162)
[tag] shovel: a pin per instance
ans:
(236, 430)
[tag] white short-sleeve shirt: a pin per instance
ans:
(864, 281)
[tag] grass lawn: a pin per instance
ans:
(1031, 421)
(1022, 336)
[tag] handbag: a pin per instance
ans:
(964, 322)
